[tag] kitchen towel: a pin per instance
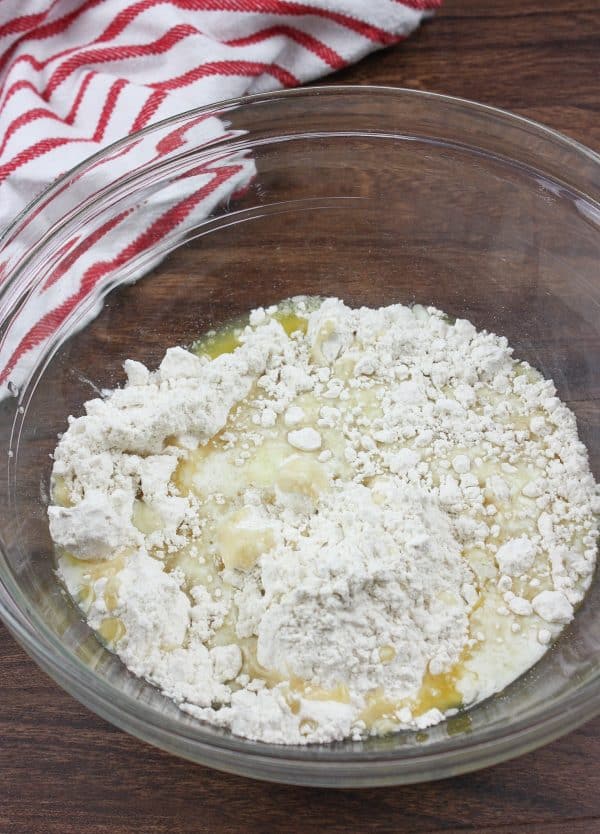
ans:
(76, 76)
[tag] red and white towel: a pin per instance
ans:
(75, 76)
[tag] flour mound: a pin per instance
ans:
(377, 567)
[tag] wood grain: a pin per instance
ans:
(63, 770)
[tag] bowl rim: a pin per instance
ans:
(200, 742)
(300, 92)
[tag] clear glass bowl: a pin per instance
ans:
(375, 195)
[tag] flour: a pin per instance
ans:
(187, 399)
(306, 439)
(372, 568)
(516, 556)
(328, 533)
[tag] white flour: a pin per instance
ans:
(318, 536)
(372, 568)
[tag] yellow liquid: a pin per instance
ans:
(437, 691)
(112, 630)
(227, 339)
(291, 322)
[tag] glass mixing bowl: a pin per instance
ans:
(371, 194)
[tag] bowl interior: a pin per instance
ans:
(376, 197)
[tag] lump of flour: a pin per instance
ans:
(388, 559)
(357, 521)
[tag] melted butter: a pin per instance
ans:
(183, 477)
(111, 593)
(85, 597)
(60, 493)
(302, 474)
(296, 688)
(188, 466)
(251, 666)
(439, 691)
(339, 693)
(112, 629)
(227, 339)
(291, 322)
(436, 692)
(224, 341)
(242, 540)
(378, 706)
(144, 518)
(90, 570)
(81, 575)
(197, 569)
(443, 691)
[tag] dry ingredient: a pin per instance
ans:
(328, 522)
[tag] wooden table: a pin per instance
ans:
(64, 770)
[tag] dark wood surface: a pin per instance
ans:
(64, 770)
